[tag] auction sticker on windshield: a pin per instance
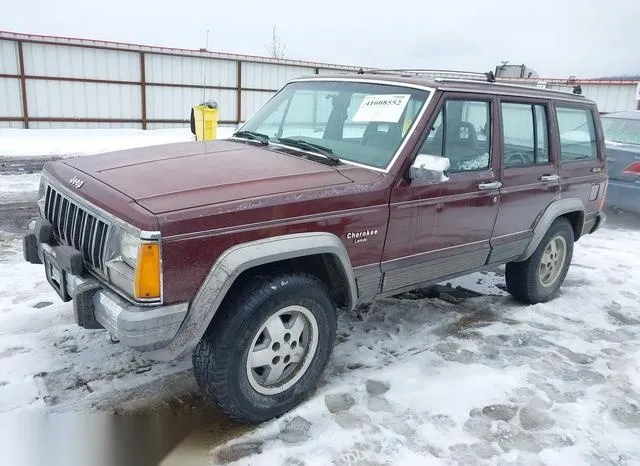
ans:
(386, 108)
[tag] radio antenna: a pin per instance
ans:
(204, 71)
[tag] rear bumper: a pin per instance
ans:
(144, 328)
(600, 219)
(623, 195)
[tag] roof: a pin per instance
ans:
(632, 115)
(460, 85)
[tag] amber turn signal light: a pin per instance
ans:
(147, 279)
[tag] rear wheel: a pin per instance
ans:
(539, 278)
(267, 347)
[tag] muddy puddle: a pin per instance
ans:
(166, 423)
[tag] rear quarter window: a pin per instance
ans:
(577, 134)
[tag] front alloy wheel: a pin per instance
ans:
(266, 348)
(282, 350)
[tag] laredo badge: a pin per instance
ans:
(361, 236)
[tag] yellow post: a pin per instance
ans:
(204, 121)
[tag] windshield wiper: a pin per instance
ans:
(252, 135)
(299, 143)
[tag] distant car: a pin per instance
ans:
(622, 139)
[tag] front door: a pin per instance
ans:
(529, 175)
(442, 229)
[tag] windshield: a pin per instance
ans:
(623, 130)
(354, 121)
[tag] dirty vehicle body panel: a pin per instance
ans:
(177, 230)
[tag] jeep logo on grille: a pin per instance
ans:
(76, 182)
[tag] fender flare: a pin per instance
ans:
(556, 209)
(235, 260)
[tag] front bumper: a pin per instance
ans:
(144, 328)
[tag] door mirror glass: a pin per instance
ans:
(429, 168)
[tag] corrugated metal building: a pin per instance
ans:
(617, 95)
(50, 82)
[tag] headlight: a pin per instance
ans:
(123, 246)
(134, 265)
(128, 248)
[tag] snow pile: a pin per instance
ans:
(72, 142)
(428, 382)
(17, 187)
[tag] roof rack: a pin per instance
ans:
(419, 73)
(519, 86)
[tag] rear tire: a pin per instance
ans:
(267, 348)
(539, 278)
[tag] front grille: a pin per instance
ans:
(76, 227)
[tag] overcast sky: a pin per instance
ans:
(557, 38)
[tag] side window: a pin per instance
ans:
(524, 132)
(542, 134)
(461, 132)
(577, 134)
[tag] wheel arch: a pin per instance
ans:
(259, 254)
(572, 209)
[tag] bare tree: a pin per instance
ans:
(277, 46)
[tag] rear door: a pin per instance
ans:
(529, 174)
(581, 156)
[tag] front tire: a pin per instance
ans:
(266, 349)
(539, 278)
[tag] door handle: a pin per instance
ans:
(492, 185)
(549, 178)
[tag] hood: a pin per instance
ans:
(184, 175)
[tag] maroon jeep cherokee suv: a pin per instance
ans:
(337, 191)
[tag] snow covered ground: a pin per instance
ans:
(71, 142)
(46, 360)
(15, 188)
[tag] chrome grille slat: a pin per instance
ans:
(75, 226)
(47, 203)
(64, 215)
(92, 255)
(103, 244)
(83, 234)
(54, 210)
(68, 223)
(74, 238)
(87, 250)
(59, 214)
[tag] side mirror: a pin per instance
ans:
(430, 168)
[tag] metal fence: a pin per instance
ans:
(50, 82)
